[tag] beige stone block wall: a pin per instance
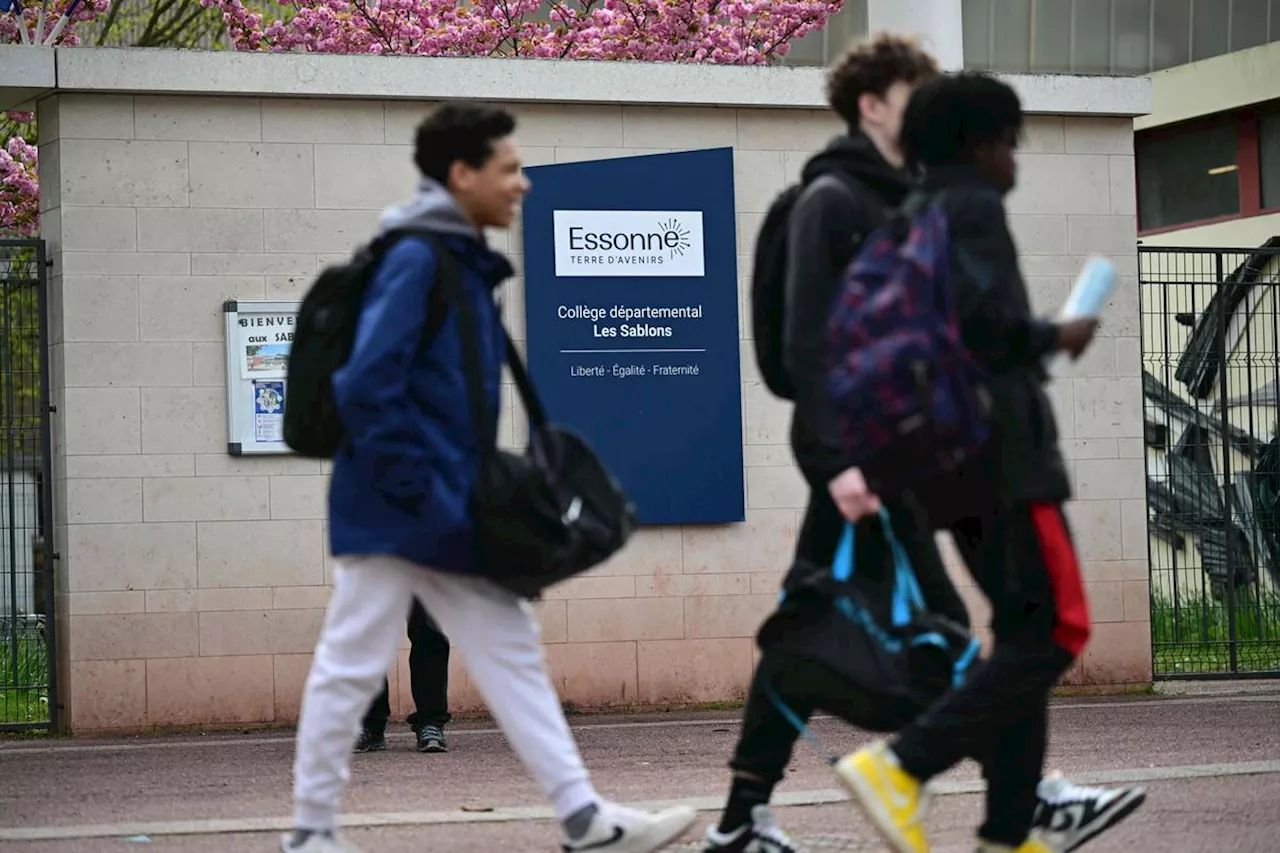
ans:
(193, 583)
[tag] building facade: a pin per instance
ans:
(1060, 36)
(192, 583)
(1208, 154)
(1208, 172)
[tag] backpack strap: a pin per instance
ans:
(452, 290)
(862, 198)
(437, 304)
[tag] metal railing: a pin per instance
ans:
(1211, 406)
(28, 688)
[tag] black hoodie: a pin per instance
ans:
(849, 191)
(998, 327)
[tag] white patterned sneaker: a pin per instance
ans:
(761, 835)
(1070, 815)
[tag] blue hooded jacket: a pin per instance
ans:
(403, 480)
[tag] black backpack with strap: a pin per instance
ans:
(769, 284)
(322, 341)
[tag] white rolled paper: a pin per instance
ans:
(1087, 298)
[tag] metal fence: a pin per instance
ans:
(1211, 406)
(28, 690)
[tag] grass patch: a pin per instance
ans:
(1194, 636)
(24, 675)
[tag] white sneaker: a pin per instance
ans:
(618, 829)
(761, 835)
(317, 843)
(1070, 815)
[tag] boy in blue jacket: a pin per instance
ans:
(400, 498)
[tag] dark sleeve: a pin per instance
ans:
(982, 250)
(372, 388)
(821, 234)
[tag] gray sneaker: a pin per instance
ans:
(370, 742)
(431, 739)
(317, 842)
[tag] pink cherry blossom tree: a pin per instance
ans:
(740, 32)
(19, 189)
(32, 16)
(19, 198)
(733, 32)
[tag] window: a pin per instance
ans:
(1269, 158)
(1223, 167)
(1171, 34)
(823, 46)
(1188, 177)
(1110, 36)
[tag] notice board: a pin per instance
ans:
(631, 286)
(259, 337)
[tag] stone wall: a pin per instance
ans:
(193, 583)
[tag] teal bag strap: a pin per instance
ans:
(842, 563)
(907, 597)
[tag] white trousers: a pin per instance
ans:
(497, 638)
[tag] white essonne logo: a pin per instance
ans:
(635, 243)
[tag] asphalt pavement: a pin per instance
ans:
(1211, 764)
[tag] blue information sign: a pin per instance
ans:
(631, 285)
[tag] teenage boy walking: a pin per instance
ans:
(399, 506)
(848, 189)
(962, 131)
(428, 683)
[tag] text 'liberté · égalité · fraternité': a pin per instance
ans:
(626, 371)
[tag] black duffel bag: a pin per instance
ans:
(545, 515)
(891, 655)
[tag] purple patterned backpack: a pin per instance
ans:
(910, 400)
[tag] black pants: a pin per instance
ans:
(768, 739)
(1024, 561)
(428, 677)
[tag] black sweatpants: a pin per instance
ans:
(1024, 560)
(767, 739)
(428, 677)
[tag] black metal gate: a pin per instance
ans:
(28, 644)
(1211, 404)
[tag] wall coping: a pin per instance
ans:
(27, 72)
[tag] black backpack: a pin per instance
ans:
(769, 286)
(322, 340)
(769, 293)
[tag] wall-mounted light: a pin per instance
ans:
(1222, 170)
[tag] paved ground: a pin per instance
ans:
(1211, 764)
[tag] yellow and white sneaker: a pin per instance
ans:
(893, 800)
(1031, 845)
